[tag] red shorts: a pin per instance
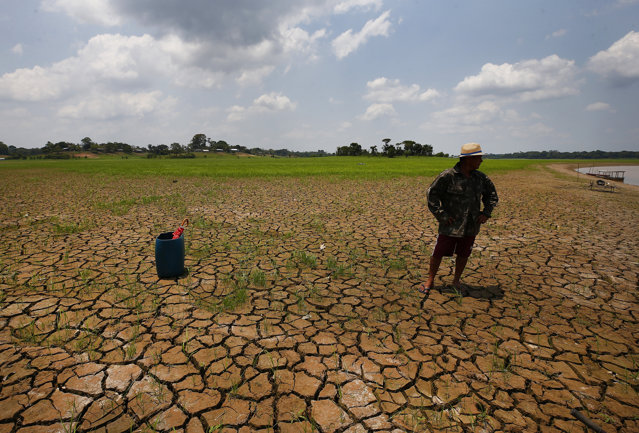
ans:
(448, 245)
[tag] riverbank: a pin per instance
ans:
(629, 173)
(571, 169)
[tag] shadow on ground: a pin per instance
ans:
(477, 292)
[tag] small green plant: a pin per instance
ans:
(483, 413)
(202, 252)
(337, 269)
(331, 263)
(235, 387)
(301, 300)
(69, 228)
(379, 314)
(214, 428)
(131, 350)
(258, 278)
(459, 298)
(318, 225)
(72, 426)
(159, 391)
(238, 295)
(306, 259)
(84, 275)
(397, 264)
(118, 208)
(185, 342)
(27, 334)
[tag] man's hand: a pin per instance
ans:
(482, 218)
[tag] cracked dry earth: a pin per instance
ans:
(299, 312)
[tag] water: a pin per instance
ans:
(631, 174)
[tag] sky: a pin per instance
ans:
(311, 75)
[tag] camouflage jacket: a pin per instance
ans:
(453, 195)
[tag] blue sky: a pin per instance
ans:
(309, 75)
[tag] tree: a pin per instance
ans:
(176, 148)
(126, 148)
(110, 147)
(343, 151)
(87, 143)
(388, 149)
(223, 146)
(50, 147)
(411, 148)
(4, 149)
(374, 150)
(198, 142)
(355, 149)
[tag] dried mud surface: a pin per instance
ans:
(299, 311)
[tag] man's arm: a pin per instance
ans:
(489, 198)
(436, 194)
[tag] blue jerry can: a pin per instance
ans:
(169, 255)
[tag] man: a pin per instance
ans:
(455, 198)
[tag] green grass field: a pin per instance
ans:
(228, 166)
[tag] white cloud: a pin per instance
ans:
(107, 106)
(550, 77)
(297, 40)
(465, 118)
(557, 34)
(348, 41)
(17, 49)
(620, 62)
(35, 84)
(266, 103)
(273, 102)
(600, 106)
(236, 112)
(385, 90)
(111, 76)
(98, 12)
(254, 76)
(238, 40)
(232, 39)
(346, 5)
(378, 110)
(534, 130)
(110, 62)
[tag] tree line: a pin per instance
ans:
(555, 154)
(199, 143)
(405, 148)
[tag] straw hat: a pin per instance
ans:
(471, 149)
